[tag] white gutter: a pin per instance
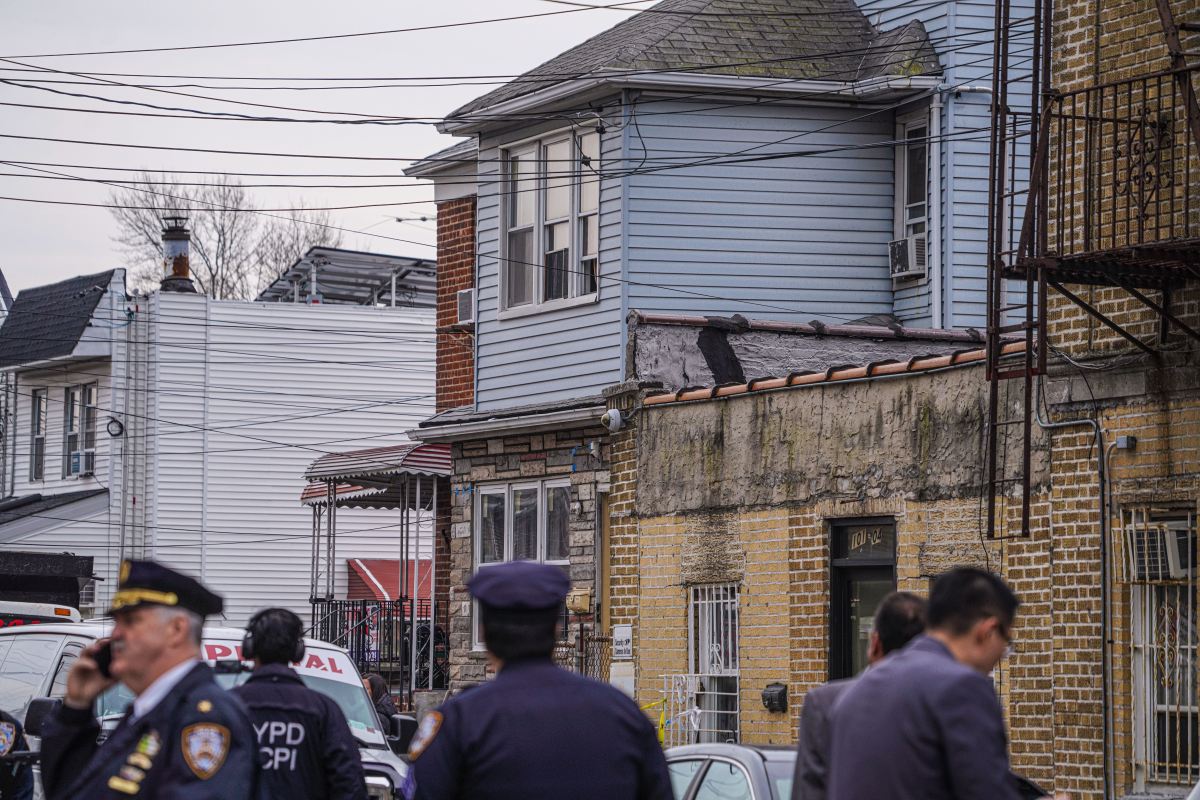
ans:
(527, 423)
(690, 81)
(935, 223)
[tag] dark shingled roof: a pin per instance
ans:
(787, 39)
(47, 321)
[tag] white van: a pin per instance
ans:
(35, 660)
(13, 614)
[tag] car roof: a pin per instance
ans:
(95, 629)
(730, 750)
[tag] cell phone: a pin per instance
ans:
(103, 659)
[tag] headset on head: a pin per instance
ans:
(248, 640)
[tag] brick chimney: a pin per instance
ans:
(176, 244)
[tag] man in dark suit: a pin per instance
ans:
(925, 724)
(899, 618)
(184, 737)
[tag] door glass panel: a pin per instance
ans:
(682, 773)
(724, 781)
(525, 524)
(865, 597)
(558, 517)
(491, 528)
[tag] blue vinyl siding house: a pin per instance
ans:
(755, 158)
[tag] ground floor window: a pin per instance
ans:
(1161, 555)
(863, 572)
(710, 710)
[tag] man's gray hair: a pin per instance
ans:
(195, 622)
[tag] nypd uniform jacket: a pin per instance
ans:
(197, 744)
(16, 777)
(538, 731)
(305, 747)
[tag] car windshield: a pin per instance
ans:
(780, 772)
(350, 697)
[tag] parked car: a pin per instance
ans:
(731, 771)
(35, 660)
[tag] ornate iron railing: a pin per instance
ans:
(1122, 161)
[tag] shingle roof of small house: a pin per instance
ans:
(47, 321)
(785, 39)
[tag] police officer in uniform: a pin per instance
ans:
(536, 731)
(16, 776)
(305, 747)
(183, 737)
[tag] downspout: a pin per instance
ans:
(935, 178)
(1105, 650)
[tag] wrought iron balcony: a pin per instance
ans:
(1114, 185)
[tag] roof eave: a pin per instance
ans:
(870, 89)
(528, 423)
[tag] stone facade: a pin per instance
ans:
(581, 455)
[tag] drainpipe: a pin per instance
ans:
(935, 223)
(1105, 649)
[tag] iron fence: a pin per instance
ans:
(379, 637)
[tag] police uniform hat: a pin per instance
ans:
(520, 586)
(150, 583)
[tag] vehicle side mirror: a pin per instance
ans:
(40, 710)
(403, 728)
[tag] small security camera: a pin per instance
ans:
(612, 420)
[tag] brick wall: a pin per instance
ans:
(456, 271)
(527, 457)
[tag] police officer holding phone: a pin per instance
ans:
(305, 747)
(183, 737)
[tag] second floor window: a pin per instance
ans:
(552, 196)
(79, 428)
(37, 430)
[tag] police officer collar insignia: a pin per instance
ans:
(8, 737)
(426, 732)
(205, 746)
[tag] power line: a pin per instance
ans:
(329, 37)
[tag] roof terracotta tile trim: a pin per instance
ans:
(849, 372)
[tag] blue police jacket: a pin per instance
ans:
(538, 731)
(305, 747)
(16, 776)
(920, 726)
(196, 744)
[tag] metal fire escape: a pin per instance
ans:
(1096, 187)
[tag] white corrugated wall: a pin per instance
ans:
(244, 397)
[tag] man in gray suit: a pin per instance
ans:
(925, 724)
(899, 618)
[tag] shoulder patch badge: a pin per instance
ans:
(8, 737)
(205, 746)
(427, 731)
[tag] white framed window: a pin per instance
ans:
(713, 634)
(79, 429)
(552, 205)
(1161, 563)
(522, 521)
(38, 408)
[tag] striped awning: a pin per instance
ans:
(411, 458)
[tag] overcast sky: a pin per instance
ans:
(45, 243)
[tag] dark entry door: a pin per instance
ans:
(863, 572)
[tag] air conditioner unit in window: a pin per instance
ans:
(466, 307)
(83, 462)
(1160, 551)
(907, 256)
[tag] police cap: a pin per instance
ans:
(148, 582)
(520, 586)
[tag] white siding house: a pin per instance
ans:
(206, 414)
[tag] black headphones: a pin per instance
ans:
(255, 622)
